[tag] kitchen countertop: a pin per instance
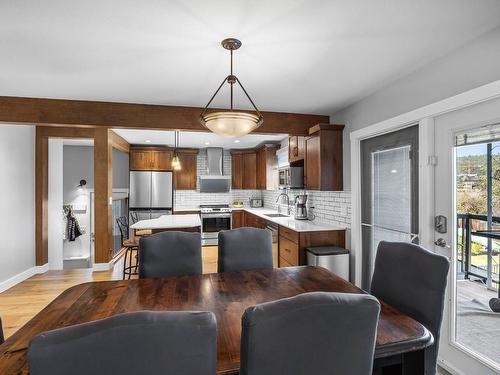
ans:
(288, 222)
(169, 222)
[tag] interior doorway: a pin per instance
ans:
(70, 184)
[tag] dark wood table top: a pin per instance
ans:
(226, 294)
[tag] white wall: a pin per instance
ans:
(55, 204)
(17, 200)
(472, 65)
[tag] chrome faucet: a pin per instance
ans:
(287, 203)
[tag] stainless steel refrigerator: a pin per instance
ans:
(151, 194)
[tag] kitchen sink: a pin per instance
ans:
(276, 215)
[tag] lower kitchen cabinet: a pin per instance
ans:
(292, 244)
(238, 219)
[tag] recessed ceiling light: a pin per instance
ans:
(148, 141)
(237, 141)
(394, 171)
(207, 143)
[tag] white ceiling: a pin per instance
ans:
(194, 139)
(310, 56)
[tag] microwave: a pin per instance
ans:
(291, 178)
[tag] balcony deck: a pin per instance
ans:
(477, 326)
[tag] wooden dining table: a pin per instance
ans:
(227, 295)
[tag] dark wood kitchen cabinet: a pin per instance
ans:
(292, 244)
(267, 167)
(296, 148)
(150, 159)
(250, 170)
(238, 219)
(185, 179)
(244, 169)
(323, 169)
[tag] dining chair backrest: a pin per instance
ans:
(413, 280)
(134, 217)
(245, 249)
(170, 254)
(143, 342)
(122, 223)
(312, 333)
(2, 340)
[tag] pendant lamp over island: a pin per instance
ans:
(231, 123)
(176, 163)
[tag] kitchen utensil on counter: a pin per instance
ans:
(300, 207)
(256, 202)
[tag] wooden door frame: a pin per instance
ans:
(104, 141)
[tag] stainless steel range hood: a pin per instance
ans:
(214, 181)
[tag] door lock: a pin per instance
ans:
(442, 243)
(440, 224)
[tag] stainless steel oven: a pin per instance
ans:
(214, 218)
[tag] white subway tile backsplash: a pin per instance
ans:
(327, 204)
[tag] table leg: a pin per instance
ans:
(414, 363)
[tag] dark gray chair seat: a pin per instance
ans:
(2, 340)
(170, 254)
(312, 333)
(145, 342)
(413, 280)
(245, 249)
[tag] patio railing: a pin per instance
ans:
(478, 255)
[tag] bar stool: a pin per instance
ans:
(130, 246)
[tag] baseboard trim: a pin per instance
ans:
(42, 269)
(20, 277)
(98, 267)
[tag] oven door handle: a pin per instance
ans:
(210, 216)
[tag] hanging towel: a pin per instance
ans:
(73, 230)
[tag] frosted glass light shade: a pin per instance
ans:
(231, 124)
(176, 163)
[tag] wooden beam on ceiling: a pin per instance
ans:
(54, 112)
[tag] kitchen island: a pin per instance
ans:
(185, 223)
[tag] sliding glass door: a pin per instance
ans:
(389, 188)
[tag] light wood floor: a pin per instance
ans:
(22, 302)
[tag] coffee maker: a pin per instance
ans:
(300, 207)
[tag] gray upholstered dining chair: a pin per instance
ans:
(1, 333)
(245, 249)
(413, 280)
(144, 342)
(312, 333)
(170, 254)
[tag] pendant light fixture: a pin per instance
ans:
(231, 123)
(176, 163)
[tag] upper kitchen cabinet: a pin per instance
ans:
(244, 169)
(267, 167)
(150, 158)
(296, 148)
(323, 169)
(185, 179)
